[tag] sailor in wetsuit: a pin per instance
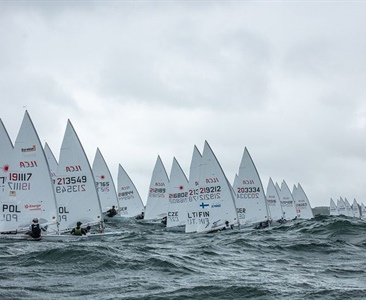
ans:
(78, 230)
(228, 226)
(140, 216)
(111, 212)
(36, 229)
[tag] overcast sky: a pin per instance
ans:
(145, 78)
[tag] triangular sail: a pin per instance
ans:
(250, 199)
(287, 202)
(157, 201)
(104, 182)
(303, 207)
(76, 193)
(363, 211)
(129, 199)
(29, 191)
(192, 218)
(6, 149)
(52, 162)
(273, 202)
(216, 199)
(333, 211)
(356, 209)
(349, 211)
(178, 196)
(341, 206)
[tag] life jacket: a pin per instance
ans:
(36, 230)
(77, 231)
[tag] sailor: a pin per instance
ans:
(78, 230)
(111, 212)
(140, 216)
(228, 226)
(36, 229)
(163, 220)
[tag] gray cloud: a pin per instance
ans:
(142, 79)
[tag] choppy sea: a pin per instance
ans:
(322, 258)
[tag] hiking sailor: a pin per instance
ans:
(111, 212)
(78, 230)
(36, 229)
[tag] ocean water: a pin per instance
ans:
(323, 258)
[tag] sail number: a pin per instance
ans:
(71, 188)
(177, 198)
(157, 192)
(249, 190)
(20, 176)
(70, 184)
(205, 190)
(102, 186)
(125, 195)
(71, 180)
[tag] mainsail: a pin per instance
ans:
(250, 198)
(29, 191)
(76, 193)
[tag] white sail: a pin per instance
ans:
(52, 162)
(6, 149)
(157, 200)
(29, 191)
(129, 199)
(287, 202)
(273, 202)
(104, 183)
(303, 207)
(356, 209)
(349, 211)
(333, 211)
(76, 193)
(216, 198)
(363, 211)
(178, 196)
(193, 200)
(341, 206)
(250, 199)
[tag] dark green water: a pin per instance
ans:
(324, 258)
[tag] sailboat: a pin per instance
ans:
(341, 206)
(356, 209)
(303, 207)
(215, 196)
(349, 211)
(333, 211)
(178, 197)
(273, 202)
(192, 218)
(6, 149)
(29, 191)
(287, 202)
(129, 199)
(104, 184)
(76, 194)
(157, 201)
(363, 211)
(250, 198)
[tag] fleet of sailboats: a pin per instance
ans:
(33, 184)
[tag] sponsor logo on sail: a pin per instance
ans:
(33, 148)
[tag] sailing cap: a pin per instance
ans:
(78, 223)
